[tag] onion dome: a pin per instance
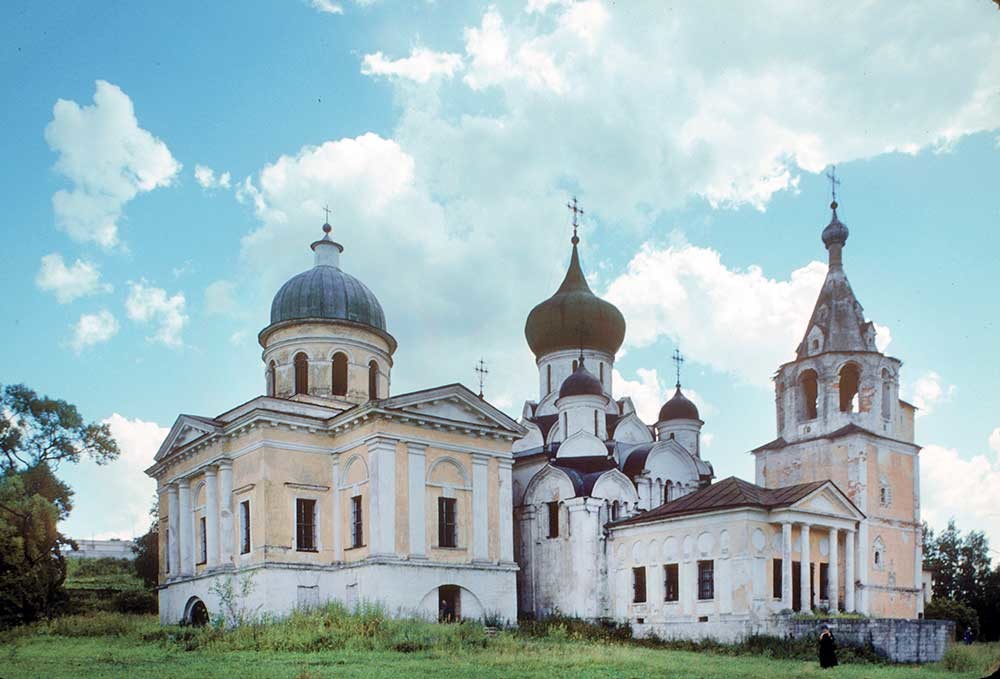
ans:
(581, 383)
(574, 317)
(678, 408)
(325, 292)
(836, 231)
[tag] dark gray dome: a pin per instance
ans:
(678, 408)
(581, 383)
(326, 292)
(836, 231)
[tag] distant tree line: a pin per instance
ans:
(966, 584)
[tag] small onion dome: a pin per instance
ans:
(836, 231)
(574, 317)
(581, 383)
(678, 408)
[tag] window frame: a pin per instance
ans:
(706, 584)
(671, 583)
(245, 530)
(313, 524)
(357, 522)
(447, 529)
(639, 585)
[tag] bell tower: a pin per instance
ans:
(839, 417)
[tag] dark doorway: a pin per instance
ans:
(449, 603)
(199, 614)
(796, 585)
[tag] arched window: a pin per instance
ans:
(340, 374)
(602, 372)
(886, 394)
(270, 379)
(574, 365)
(372, 380)
(301, 374)
(548, 379)
(666, 491)
(850, 382)
(615, 510)
(809, 391)
(596, 431)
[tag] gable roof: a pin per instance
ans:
(846, 430)
(730, 493)
(410, 402)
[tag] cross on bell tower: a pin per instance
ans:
(678, 360)
(481, 373)
(575, 209)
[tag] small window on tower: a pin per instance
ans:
(373, 380)
(553, 508)
(270, 379)
(596, 431)
(850, 383)
(301, 373)
(809, 391)
(339, 374)
(548, 379)
(574, 365)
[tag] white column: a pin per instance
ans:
(506, 510)
(862, 564)
(211, 518)
(173, 521)
(480, 508)
(226, 542)
(382, 465)
(786, 565)
(805, 579)
(849, 538)
(185, 527)
(338, 537)
(834, 573)
(417, 493)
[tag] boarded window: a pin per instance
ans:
(706, 580)
(809, 392)
(340, 374)
(850, 383)
(671, 589)
(203, 553)
(245, 527)
(776, 578)
(447, 529)
(553, 519)
(639, 585)
(301, 374)
(372, 380)
(305, 525)
(357, 532)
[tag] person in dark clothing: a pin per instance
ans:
(967, 637)
(827, 648)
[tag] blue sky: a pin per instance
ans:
(166, 165)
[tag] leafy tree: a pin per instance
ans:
(36, 429)
(963, 573)
(146, 549)
(32, 568)
(949, 609)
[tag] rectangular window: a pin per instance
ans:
(824, 577)
(203, 554)
(706, 580)
(447, 530)
(776, 579)
(639, 585)
(553, 519)
(357, 531)
(245, 527)
(305, 525)
(671, 590)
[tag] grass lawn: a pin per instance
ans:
(136, 647)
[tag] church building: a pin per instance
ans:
(331, 487)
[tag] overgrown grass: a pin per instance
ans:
(332, 641)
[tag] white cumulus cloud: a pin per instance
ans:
(736, 320)
(649, 393)
(928, 391)
(108, 158)
(148, 304)
(952, 486)
(220, 298)
(421, 66)
(94, 329)
(68, 283)
(207, 179)
(326, 6)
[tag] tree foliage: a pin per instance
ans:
(37, 429)
(147, 549)
(32, 568)
(963, 573)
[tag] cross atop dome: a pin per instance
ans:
(575, 209)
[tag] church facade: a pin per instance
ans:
(328, 487)
(620, 519)
(436, 503)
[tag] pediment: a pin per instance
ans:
(186, 429)
(453, 403)
(630, 429)
(829, 501)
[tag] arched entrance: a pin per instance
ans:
(196, 612)
(451, 603)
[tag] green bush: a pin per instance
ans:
(91, 568)
(136, 601)
(948, 609)
(563, 627)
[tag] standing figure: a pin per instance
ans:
(967, 637)
(827, 648)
